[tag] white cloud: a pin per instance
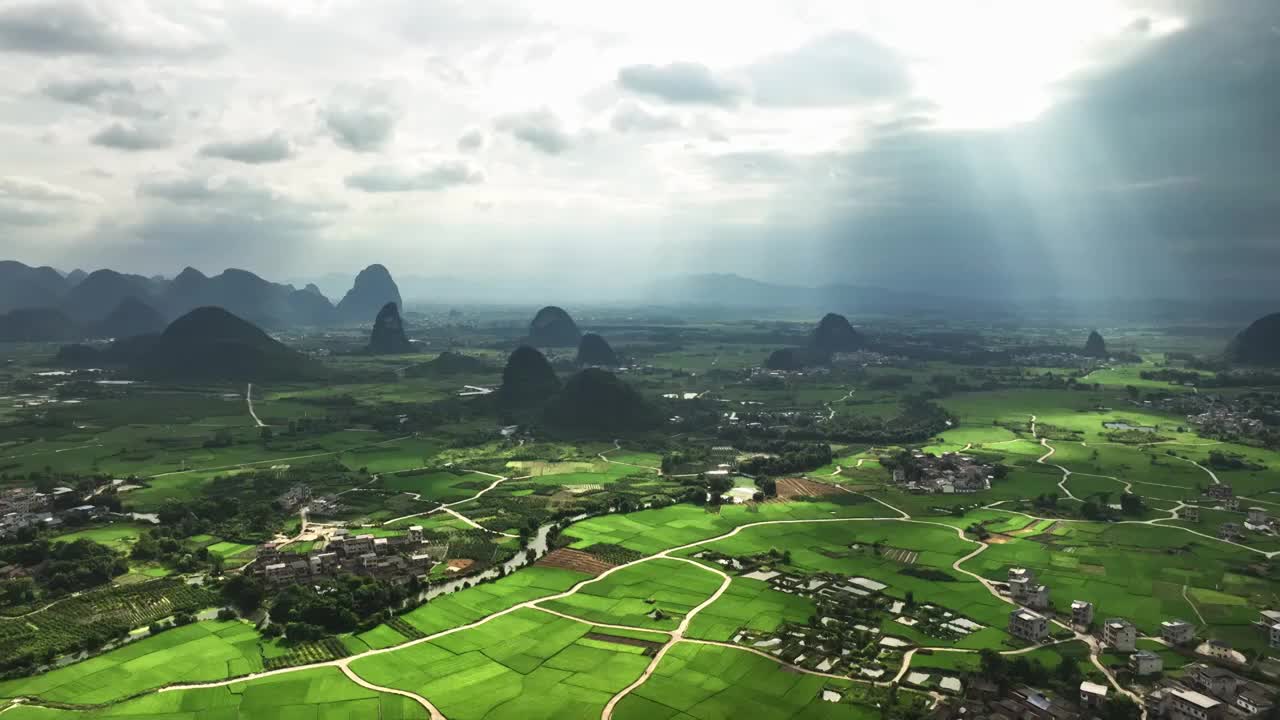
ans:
(540, 129)
(439, 176)
(680, 82)
(133, 137)
(630, 117)
(254, 151)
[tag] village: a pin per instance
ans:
(395, 558)
(1204, 691)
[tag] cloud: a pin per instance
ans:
(632, 117)
(133, 137)
(29, 202)
(214, 221)
(390, 179)
(96, 27)
(540, 129)
(254, 151)
(25, 188)
(471, 140)
(837, 69)
(115, 96)
(1153, 178)
(359, 127)
(679, 82)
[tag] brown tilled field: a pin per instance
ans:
(574, 560)
(789, 488)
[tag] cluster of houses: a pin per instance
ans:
(25, 507)
(1222, 495)
(395, 558)
(1057, 360)
(950, 473)
(1220, 419)
(845, 635)
(1208, 692)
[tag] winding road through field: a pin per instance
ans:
(248, 398)
(448, 507)
(678, 635)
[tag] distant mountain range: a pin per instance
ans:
(107, 303)
(736, 294)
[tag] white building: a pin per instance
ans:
(1191, 705)
(1021, 575)
(1081, 613)
(1026, 625)
(1092, 694)
(1120, 635)
(1145, 663)
(1177, 632)
(415, 534)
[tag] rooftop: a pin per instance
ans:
(1093, 688)
(1195, 698)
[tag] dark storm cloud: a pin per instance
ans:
(81, 27)
(680, 82)
(254, 151)
(133, 137)
(362, 129)
(838, 69)
(387, 179)
(540, 129)
(1148, 170)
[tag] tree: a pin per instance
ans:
(1131, 504)
(1068, 671)
(244, 593)
(1119, 707)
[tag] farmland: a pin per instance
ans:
(651, 595)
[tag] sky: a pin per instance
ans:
(1090, 148)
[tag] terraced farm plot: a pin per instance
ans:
(652, 531)
(65, 625)
(440, 486)
(708, 682)
(898, 555)
(318, 693)
(203, 651)
(119, 536)
(474, 603)
(792, 488)
(524, 664)
(575, 560)
(751, 605)
(652, 594)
